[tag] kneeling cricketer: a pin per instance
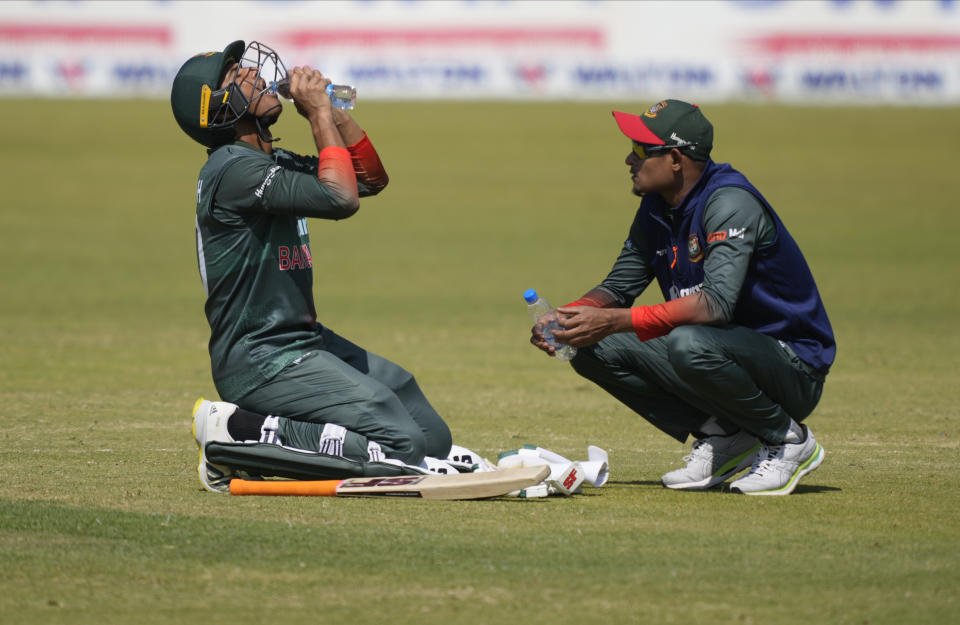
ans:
(300, 401)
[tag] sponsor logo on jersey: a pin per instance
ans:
(694, 249)
(266, 181)
(723, 235)
(676, 292)
(294, 257)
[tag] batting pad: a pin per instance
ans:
(268, 460)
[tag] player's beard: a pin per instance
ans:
(269, 119)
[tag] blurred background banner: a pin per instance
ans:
(801, 51)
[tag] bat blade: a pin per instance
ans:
(456, 486)
(448, 487)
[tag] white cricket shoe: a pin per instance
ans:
(713, 460)
(777, 468)
(210, 424)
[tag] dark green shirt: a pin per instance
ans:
(255, 262)
(725, 261)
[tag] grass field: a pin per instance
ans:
(103, 351)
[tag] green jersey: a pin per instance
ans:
(255, 262)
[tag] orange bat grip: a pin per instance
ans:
(322, 488)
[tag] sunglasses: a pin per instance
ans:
(646, 151)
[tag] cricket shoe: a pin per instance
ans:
(777, 468)
(713, 460)
(210, 424)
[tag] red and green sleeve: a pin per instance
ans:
(285, 183)
(371, 176)
(725, 268)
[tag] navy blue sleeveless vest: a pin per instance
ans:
(779, 297)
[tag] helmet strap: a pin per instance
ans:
(261, 133)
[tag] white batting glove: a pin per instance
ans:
(596, 470)
(466, 461)
(565, 477)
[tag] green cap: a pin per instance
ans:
(192, 87)
(671, 123)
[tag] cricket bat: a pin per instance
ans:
(456, 486)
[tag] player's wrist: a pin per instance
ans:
(340, 116)
(325, 132)
(622, 320)
(321, 117)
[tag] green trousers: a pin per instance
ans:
(677, 382)
(373, 398)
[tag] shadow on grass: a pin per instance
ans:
(635, 483)
(815, 488)
(801, 489)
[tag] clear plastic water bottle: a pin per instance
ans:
(341, 96)
(538, 307)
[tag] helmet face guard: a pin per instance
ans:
(223, 107)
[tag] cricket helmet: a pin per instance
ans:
(207, 112)
(194, 107)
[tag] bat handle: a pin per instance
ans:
(320, 488)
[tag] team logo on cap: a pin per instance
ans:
(694, 249)
(656, 108)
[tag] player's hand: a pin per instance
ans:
(308, 88)
(539, 331)
(586, 325)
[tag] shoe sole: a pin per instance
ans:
(807, 467)
(743, 461)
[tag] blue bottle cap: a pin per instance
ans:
(530, 295)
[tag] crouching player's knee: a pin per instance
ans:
(586, 364)
(408, 446)
(438, 440)
(689, 351)
(417, 440)
(428, 433)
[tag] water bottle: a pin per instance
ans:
(341, 96)
(538, 307)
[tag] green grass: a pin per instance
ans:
(103, 351)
